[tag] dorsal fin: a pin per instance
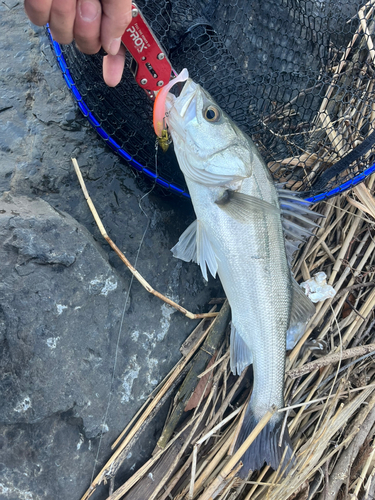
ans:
(194, 245)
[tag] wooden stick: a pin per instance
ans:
(175, 479)
(365, 196)
(370, 486)
(296, 419)
(142, 471)
(366, 31)
(213, 462)
(214, 365)
(258, 483)
(185, 445)
(336, 139)
(330, 359)
(354, 287)
(132, 269)
(218, 426)
(207, 350)
(227, 400)
(323, 307)
(193, 471)
(343, 58)
(324, 398)
(346, 459)
(238, 426)
(359, 205)
(343, 250)
(365, 309)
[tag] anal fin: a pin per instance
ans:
(240, 353)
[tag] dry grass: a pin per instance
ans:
(346, 116)
(331, 400)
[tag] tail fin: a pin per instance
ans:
(265, 448)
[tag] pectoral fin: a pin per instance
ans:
(242, 207)
(194, 245)
(302, 310)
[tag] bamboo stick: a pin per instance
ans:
(362, 477)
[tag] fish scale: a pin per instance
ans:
(253, 269)
(238, 234)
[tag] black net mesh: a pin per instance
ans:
(297, 76)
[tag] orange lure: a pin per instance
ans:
(159, 105)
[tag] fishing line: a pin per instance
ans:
(153, 185)
(104, 419)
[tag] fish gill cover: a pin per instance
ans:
(297, 76)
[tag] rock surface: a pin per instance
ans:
(57, 321)
(82, 346)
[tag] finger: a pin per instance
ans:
(113, 67)
(61, 21)
(38, 11)
(87, 26)
(115, 18)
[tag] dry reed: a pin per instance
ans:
(330, 401)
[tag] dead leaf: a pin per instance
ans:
(197, 394)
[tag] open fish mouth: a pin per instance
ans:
(184, 104)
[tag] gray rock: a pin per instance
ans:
(60, 307)
(78, 357)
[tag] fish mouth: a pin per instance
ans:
(183, 104)
(185, 108)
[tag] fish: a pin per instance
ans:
(246, 231)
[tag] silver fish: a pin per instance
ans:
(239, 235)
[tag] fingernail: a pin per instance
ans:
(114, 46)
(88, 10)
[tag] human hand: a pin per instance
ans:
(91, 23)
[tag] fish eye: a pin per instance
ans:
(211, 114)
